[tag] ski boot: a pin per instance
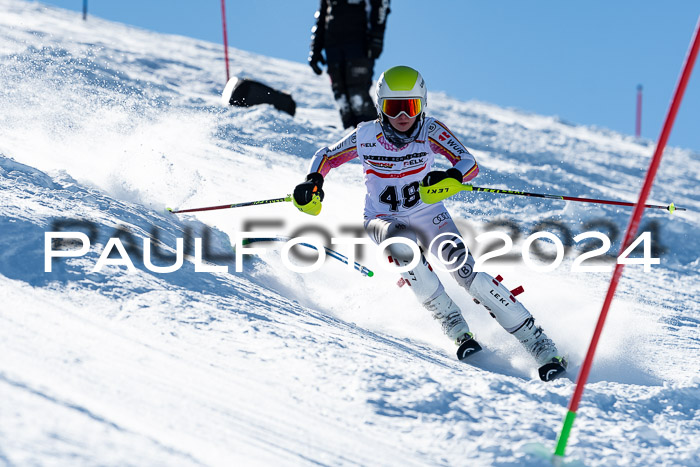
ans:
(542, 349)
(453, 325)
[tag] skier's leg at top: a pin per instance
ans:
(358, 80)
(351, 78)
(423, 281)
(337, 71)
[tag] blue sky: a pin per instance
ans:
(581, 61)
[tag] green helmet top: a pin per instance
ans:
(401, 78)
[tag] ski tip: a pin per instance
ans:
(467, 349)
(170, 210)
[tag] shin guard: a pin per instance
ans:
(499, 301)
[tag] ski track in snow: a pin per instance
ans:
(107, 124)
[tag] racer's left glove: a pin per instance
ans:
(308, 195)
(436, 176)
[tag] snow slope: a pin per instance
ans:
(103, 125)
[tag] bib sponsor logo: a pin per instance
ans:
(381, 165)
(456, 147)
(407, 157)
(443, 216)
(413, 162)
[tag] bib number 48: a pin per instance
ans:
(408, 198)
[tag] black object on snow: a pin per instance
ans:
(242, 92)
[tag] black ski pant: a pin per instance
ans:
(351, 78)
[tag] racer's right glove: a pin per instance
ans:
(308, 195)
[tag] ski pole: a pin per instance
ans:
(364, 270)
(450, 186)
(287, 198)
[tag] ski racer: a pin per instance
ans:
(397, 152)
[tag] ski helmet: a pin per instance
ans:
(401, 89)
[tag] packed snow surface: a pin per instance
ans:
(103, 125)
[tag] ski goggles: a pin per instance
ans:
(392, 108)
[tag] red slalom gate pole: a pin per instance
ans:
(631, 232)
(638, 121)
(223, 21)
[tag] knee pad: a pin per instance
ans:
(401, 251)
(422, 280)
(499, 301)
(380, 230)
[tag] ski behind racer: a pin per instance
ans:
(397, 151)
